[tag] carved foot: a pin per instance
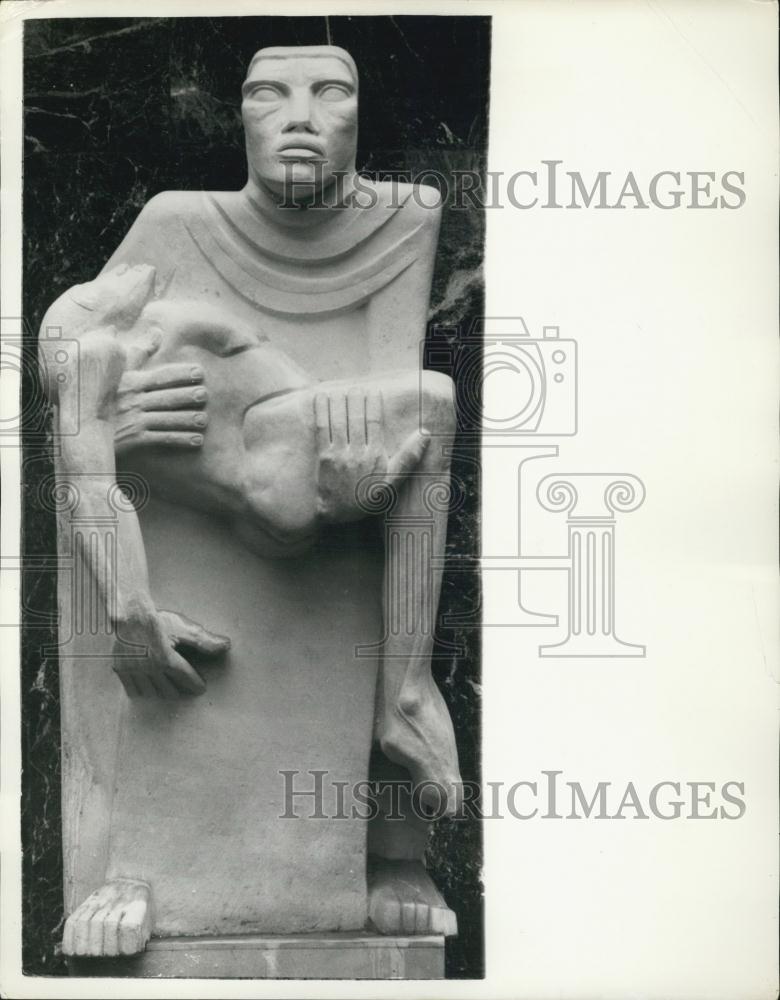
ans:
(115, 920)
(402, 899)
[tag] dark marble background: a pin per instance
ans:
(119, 109)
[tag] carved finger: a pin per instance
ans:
(171, 439)
(173, 399)
(167, 688)
(134, 682)
(356, 417)
(155, 685)
(322, 422)
(374, 425)
(186, 632)
(165, 377)
(338, 419)
(176, 420)
(127, 677)
(183, 676)
(146, 688)
(407, 457)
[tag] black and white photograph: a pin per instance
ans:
(389, 458)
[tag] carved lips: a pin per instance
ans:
(301, 149)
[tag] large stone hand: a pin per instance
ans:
(350, 440)
(164, 406)
(162, 671)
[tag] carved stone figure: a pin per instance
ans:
(254, 358)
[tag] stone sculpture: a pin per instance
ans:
(254, 357)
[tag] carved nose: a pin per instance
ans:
(300, 115)
(302, 124)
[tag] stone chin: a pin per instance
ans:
(298, 180)
(281, 174)
(288, 172)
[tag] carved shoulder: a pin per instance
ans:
(156, 235)
(421, 209)
(424, 200)
(419, 203)
(169, 205)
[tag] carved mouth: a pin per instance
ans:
(301, 149)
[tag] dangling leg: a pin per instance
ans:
(413, 726)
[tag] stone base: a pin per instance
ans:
(304, 956)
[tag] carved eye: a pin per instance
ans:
(265, 93)
(334, 92)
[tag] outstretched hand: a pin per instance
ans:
(350, 439)
(162, 671)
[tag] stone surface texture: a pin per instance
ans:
(325, 347)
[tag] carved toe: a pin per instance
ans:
(402, 899)
(114, 920)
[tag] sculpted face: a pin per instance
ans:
(300, 118)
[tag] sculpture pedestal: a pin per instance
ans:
(301, 956)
